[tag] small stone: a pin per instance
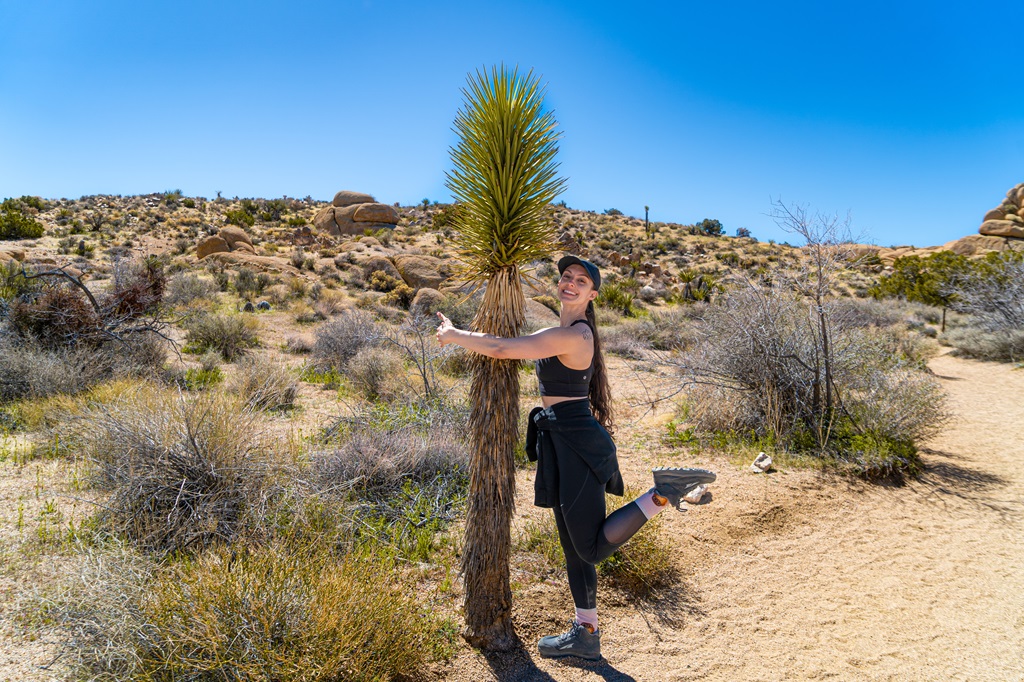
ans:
(762, 464)
(263, 305)
(696, 495)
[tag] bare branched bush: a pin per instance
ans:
(757, 370)
(265, 385)
(338, 340)
(181, 473)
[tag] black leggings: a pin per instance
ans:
(588, 537)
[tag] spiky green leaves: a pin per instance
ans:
(505, 174)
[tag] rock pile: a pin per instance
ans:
(1007, 219)
(353, 213)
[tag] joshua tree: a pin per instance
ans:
(504, 179)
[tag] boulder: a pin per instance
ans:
(539, 316)
(974, 245)
(420, 271)
(242, 247)
(1020, 195)
(994, 214)
(1002, 228)
(426, 301)
(1014, 218)
(375, 213)
(347, 198)
(376, 263)
(214, 244)
(16, 254)
(324, 220)
(234, 236)
(303, 236)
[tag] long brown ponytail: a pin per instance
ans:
(600, 389)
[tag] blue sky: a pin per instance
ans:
(909, 116)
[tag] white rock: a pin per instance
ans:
(762, 464)
(696, 495)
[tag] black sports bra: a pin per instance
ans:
(555, 379)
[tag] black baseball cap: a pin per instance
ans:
(592, 271)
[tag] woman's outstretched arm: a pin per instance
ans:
(542, 344)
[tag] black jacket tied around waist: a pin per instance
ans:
(569, 429)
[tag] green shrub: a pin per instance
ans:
(16, 225)
(239, 217)
(249, 283)
(289, 611)
(199, 378)
(230, 335)
(617, 298)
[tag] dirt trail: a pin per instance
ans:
(799, 576)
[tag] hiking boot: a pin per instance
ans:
(578, 641)
(673, 483)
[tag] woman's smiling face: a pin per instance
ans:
(576, 285)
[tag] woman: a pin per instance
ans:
(575, 455)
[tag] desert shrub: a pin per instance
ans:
(459, 309)
(28, 370)
(1004, 346)
(180, 473)
(284, 611)
(617, 298)
(447, 216)
(230, 335)
(239, 217)
(298, 344)
(16, 225)
(378, 372)
(758, 370)
(185, 287)
(993, 295)
(59, 316)
(264, 385)
(249, 283)
(338, 341)
(407, 469)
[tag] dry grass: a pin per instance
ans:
(276, 612)
(264, 384)
(181, 473)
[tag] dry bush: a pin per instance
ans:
(181, 473)
(1002, 346)
(377, 372)
(758, 369)
(230, 335)
(30, 371)
(186, 287)
(265, 385)
(338, 340)
(278, 612)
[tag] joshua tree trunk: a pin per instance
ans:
(494, 429)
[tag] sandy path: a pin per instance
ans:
(795, 576)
